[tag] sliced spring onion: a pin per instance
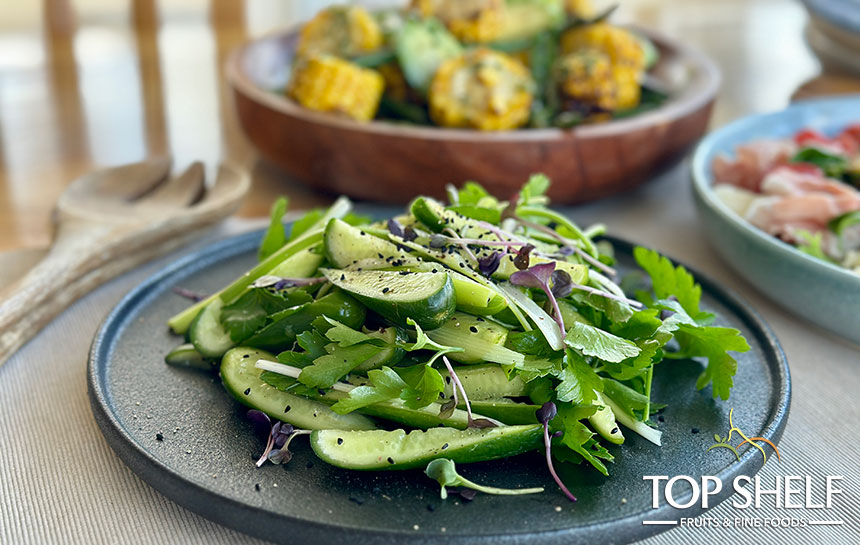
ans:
(495, 353)
(641, 428)
(544, 321)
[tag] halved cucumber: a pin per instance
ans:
(206, 332)
(505, 410)
(483, 382)
(389, 355)
(603, 421)
(480, 339)
(242, 380)
(428, 298)
(346, 245)
(378, 449)
(185, 355)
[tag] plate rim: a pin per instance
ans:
(214, 506)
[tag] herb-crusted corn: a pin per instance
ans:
(329, 84)
(471, 21)
(589, 77)
(620, 45)
(345, 31)
(481, 89)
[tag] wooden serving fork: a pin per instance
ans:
(106, 223)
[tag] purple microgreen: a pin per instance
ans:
(561, 284)
(283, 454)
(261, 422)
(394, 228)
(280, 283)
(456, 384)
(567, 250)
(522, 260)
(409, 234)
(544, 415)
(278, 437)
(539, 277)
(468, 494)
(489, 263)
(281, 431)
(188, 294)
(567, 243)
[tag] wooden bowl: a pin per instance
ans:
(392, 162)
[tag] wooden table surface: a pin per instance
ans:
(90, 83)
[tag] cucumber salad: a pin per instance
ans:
(454, 333)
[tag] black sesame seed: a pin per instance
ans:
(444, 446)
(473, 329)
(159, 437)
(694, 430)
(321, 392)
(246, 356)
(257, 487)
(448, 380)
(343, 277)
(614, 431)
(247, 391)
(661, 419)
(310, 464)
(380, 256)
(287, 409)
(390, 460)
(362, 233)
(339, 440)
(385, 290)
(479, 319)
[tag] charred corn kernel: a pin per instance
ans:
(340, 30)
(471, 21)
(481, 89)
(627, 89)
(581, 9)
(395, 83)
(588, 76)
(622, 47)
(328, 84)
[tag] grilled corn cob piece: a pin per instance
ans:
(329, 84)
(588, 77)
(481, 89)
(621, 46)
(345, 31)
(471, 21)
(395, 83)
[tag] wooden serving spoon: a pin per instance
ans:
(106, 223)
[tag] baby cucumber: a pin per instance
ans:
(506, 410)
(242, 380)
(475, 335)
(207, 334)
(346, 245)
(379, 449)
(185, 355)
(603, 421)
(483, 382)
(428, 298)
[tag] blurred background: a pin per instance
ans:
(89, 83)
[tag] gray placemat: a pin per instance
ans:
(61, 483)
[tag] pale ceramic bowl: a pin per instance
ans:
(818, 291)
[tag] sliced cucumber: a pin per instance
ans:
(346, 245)
(427, 298)
(207, 334)
(391, 354)
(472, 297)
(483, 382)
(185, 355)
(378, 449)
(302, 264)
(479, 339)
(603, 421)
(242, 380)
(505, 410)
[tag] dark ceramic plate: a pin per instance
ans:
(204, 461)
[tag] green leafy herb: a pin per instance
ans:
(670, 281)
(250, 312)
(384, 384)
(275, 236)
(425, 385)
(328, 369)
(593, 341)
(812, 244)
(831, 164)
(578, 380)
(840, 223)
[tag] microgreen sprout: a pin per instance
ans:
(489, 264)
(188, 294)
(455, 380)
(280, 283)
(279, 437)
(544, 415)
(539, 277)
(455, 238)
(443, 471)
(521, 262)
(567, 243)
